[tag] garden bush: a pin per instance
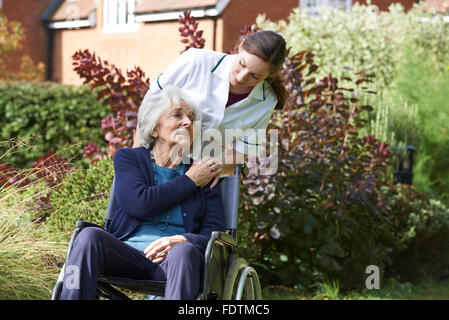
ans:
(408, 52)
(12, 35)
(331, 209)
(420, 82)
(420, 237)
(362, 38)
(48, 117)
(322, 215)
(122, 95)
(82, 195)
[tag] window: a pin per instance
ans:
(118, 16)
(311, 6)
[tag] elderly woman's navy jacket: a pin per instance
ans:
(138, 198)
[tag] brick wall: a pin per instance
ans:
(384, 4)
(238, 13)
(28, 13)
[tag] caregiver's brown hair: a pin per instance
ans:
(270, 47)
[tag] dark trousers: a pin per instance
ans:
(95, 251)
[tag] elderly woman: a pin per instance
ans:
(164, 217)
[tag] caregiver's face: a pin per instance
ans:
(248, 70)
(175, 125)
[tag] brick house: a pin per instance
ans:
(145, 32)
(140, 32)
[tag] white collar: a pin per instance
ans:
(223, 68)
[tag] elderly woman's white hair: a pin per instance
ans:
(154, 105)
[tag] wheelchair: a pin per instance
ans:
(226, 276)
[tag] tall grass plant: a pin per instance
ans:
(29, 258)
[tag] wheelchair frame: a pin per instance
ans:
(226, 276)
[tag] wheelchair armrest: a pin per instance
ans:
(80, 224)
(224, 238)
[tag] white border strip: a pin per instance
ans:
(434, 19)
(174, 15)
(69, 24)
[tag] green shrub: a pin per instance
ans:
(52, 116)
(326, 214)
(421, 82)
(408, 57)
(362, 38)
(321, 215)
(420, 238)
(82, 195)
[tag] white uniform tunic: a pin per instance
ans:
(204, 75)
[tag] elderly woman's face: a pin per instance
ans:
(175, 126)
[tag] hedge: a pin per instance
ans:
(37, 118)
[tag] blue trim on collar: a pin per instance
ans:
(157, 80)
(263, 89)
(248, 143)
(219, 61)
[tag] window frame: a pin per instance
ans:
(313, 10)
(119, 16)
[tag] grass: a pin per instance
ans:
(391, 290)
(28, 258)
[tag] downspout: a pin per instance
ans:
(49, 69)
(46, 20)
(215, 32)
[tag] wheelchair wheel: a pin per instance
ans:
(242, 282)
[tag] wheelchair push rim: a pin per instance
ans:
(242, 282)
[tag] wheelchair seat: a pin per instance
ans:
(151, 287)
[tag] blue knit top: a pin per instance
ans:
(166, 224)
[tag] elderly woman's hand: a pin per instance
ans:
(157, 250)
(203, 171)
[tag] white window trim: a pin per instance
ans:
(314, 10)
(122, 25)
(434, 19)
(174, 15)
(76, 24)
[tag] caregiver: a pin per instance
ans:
(232, 91)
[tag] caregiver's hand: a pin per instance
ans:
(228, 163)
(158, 250)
